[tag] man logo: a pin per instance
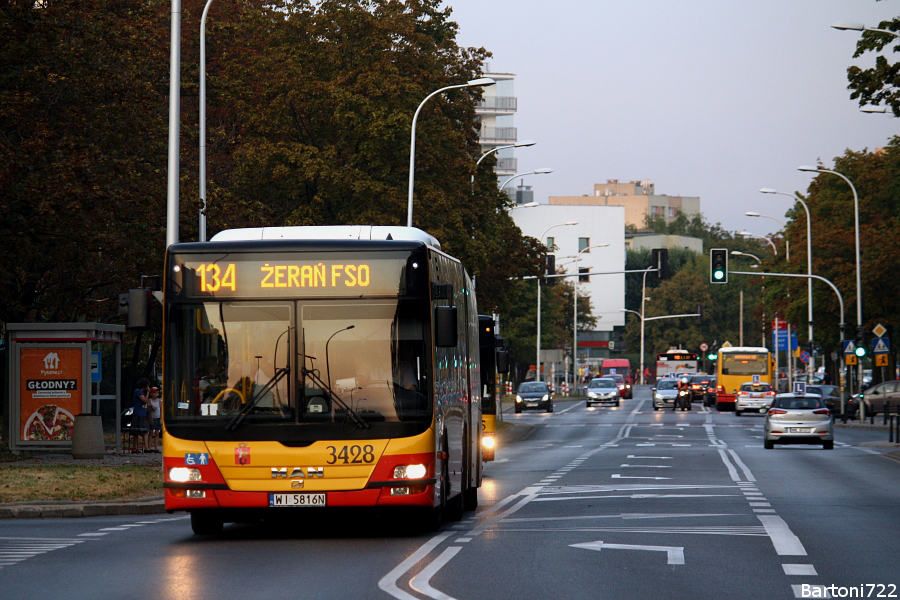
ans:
(298, 473)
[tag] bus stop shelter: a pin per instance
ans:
(59, 372)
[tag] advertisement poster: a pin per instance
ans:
(51, 388)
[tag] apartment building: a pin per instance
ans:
(639, 198)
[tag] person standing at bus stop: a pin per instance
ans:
(139, 425)
(154, 419)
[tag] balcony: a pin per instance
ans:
(496, 105)
(506, 166)
(498, 135)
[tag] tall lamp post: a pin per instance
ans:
(575, 321)
(537, 365)
(480, 82)
(761, 237)
(859, 319)
(809, 293)
(787, 243)
(758, 262)
(202, 225)
(541, 171)
(522, 144)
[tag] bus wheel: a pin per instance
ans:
(206, 522)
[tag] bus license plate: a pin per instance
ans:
(799, 429)
(296, 500)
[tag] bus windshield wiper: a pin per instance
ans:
(254, 400)
(311, 373)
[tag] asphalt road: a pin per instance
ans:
(597, 502)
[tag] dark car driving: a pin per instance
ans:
(534, 395)
(699, 383)
(709, 398)
(831, 394)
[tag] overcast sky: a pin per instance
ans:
(708, 98)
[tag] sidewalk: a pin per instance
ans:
(99, 508)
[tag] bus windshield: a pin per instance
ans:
(296, 370)
(744, 364)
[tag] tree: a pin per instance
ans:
(877, 85)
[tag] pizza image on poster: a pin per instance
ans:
(49, 422)
(51, 388)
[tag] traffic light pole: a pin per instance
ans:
(840, 302)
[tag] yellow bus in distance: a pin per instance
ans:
(738, 365)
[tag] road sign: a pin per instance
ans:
(879, 330)
(881, 345)
(804, 357)
(850, 347)
(850, 360)
(704, 347)
(780, 342)
(881, 360)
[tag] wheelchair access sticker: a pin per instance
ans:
(196, 459)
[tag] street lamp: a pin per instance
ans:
(526, 205)
(758, 263)
(847, 26)
(480, 82)
(522, 144)
(809, 293)
(537, 365)
(761, 237)
(541, 171)
(787, 243)
(202, 225)
(575, 321)
(859, 319)
(873, 109)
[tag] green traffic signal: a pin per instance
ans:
(718, 265)
(719, 275)
(712, 356)
(860, 351)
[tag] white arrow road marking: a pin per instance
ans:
(388, 583)
(420, 581)
(617, 476)
(674, 553)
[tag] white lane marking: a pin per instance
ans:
(388, 583)
(659, 457)
(14, 550)
(463, 540)
(761, 504)
(747, 474)
(731, 470)
(810, 591)
(795, 569)
(420, 581)
(92, 534)
(784, 540)
(559, 412)
(618, 476)
(637, 497)
(675, 555)
(572, 446)
(628, 516)
(764, 510)
(648, 466)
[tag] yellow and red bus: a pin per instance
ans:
(317, 367)
(494, 360)
(737, 365)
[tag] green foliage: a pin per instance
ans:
(310, 106)
(877, 85)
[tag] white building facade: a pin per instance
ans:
(496, 112)
(596, 225)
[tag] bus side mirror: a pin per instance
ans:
(502, 361)
(445, 326)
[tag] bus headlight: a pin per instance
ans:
(488, 442)
(410, 472)
(184, 474)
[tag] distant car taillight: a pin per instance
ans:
(777, 411)
(770, 393)
(720, 389)
(822, 411)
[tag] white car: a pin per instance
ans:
(603, 390)
(753, 396)
(664, 393)
(802, 419)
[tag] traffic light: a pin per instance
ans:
(550, 269)
(860, 341)
(660, 262)
(712, 356)
(718, 265)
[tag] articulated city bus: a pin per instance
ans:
(494, 360)
(315, 367)
(739, 365)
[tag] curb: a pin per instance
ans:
(75, 510)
